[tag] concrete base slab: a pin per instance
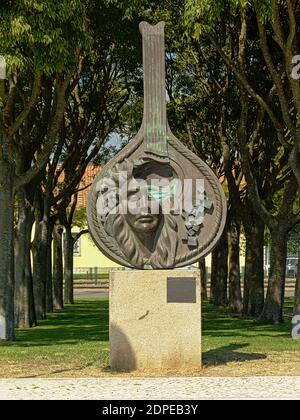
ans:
(155, 320)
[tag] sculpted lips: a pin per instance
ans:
(145, 219)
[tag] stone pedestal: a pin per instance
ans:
(155, 320)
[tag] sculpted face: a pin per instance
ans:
(139, 217)
(144, 223)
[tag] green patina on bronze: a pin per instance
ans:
(162, 193)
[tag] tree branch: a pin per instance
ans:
(73, 208)
(275, 76)
(244, 82)
(242, 132)
(36, 89)
(78, 236)
(50, 139)
(276, 25)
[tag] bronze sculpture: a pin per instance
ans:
(156, 205)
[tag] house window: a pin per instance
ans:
(77, 247)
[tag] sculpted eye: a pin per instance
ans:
(161, 193)
(134, 198)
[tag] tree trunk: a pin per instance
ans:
(235, 293)
(39, 252)
(49, 284)
(219, 272)
(297, 291)
(24, 301)
(43, 229)
(273, 308)
(6, 252)
(68, 267)
(254, 290)
(57, 268)
(203, 274)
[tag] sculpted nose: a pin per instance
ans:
(146, 210)
(145, 204)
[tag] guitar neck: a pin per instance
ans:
(155, 112)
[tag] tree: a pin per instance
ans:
(45, 44)
(93, 113)
(282, 96)
(254, 137)
(71, 218)
(297, 291)
(39, 41)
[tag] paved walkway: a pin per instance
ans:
(283, 388)
(91, 293)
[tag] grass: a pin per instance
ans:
(237, 346)
(74, 343)
(91, 277)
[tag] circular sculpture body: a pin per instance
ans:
(156, 205)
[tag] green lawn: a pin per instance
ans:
(75, 343)
(91, 277)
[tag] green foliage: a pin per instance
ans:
(203, 16)
(129, 7)
(80, 219)
(107, 152)
(294, 245)
(42, 35)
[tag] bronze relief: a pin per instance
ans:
(156, 205)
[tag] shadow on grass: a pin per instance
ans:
(227, 354)
(219, 322)
(72, 369)
(86, 321)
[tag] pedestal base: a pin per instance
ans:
(155, 320)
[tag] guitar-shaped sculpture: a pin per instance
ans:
(156, 205)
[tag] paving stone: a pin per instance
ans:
(165, 388)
